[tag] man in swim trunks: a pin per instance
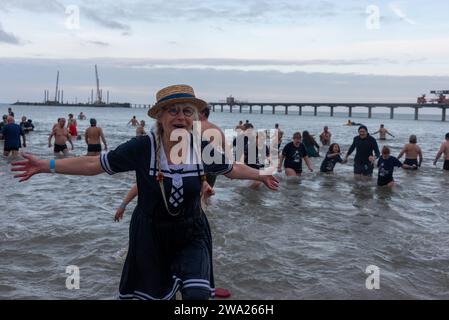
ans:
(92, 137)
(443, 150)
(413, 154)
(325, 136)
(61, 135)
(383, 133)
(364, 159)
(11, 132)
(134, 122)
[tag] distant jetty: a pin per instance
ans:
(57, 104)
(59, 98)
(232, 104)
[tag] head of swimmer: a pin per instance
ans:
(61, 122)
(386, 152)
(177, 116)
(363, 132)
(334, 148)
(297, 138)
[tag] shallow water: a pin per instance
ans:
(313, 238)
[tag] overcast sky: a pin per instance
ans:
(281, 50)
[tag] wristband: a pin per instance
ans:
(52, 165)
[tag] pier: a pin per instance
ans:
(288, 107)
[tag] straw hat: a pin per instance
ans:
(176, 94)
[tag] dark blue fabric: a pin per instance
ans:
(365, 148)
(176, 96)
(329, 163)
(11, 133)
(386, 168)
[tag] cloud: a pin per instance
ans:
(40, 6)
(7, 37)
(98, 43)
(104, 22)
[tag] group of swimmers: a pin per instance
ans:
(303, 147)
(13, 133)
(170, 247)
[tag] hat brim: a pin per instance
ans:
(198, 103)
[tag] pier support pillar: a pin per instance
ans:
(443, 116)
(391, 112)
(240, 108)
(286, 110)
(221, 108)
(261, 109)
(350, 112)
(274, 109)
(230, 108)
(370, 112)
(416, 113)
(315, 111)
(251, 109)
(300, 110)
(213, 108)
(332, 111)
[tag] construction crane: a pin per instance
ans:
(99, 98)
(57, 85)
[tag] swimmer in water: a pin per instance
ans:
(386, 165)
(133, 122)
(293, 154)
(332, 158)
(383, 133)
(413, 154)
(444, 149)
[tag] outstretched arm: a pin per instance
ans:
(82, 166)
(389, 133)
(243, 172)
(129, 197)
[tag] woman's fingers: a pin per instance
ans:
(19, 163)
(18, 169)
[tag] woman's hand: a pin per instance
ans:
(207, 190)
(119, 214)
(270, 181)
(29, 168)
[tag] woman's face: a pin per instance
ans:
(336, 149)
(177, 116)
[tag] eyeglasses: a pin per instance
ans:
(174, 111)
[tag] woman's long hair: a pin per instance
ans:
(307, 138)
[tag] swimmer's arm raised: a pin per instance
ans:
(82, 166)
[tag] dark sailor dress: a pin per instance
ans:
(166, 253)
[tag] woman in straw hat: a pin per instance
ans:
(170, 244)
